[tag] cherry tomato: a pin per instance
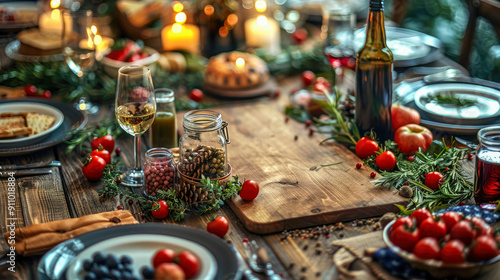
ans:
(101, 152)
(162, 212)
(189, 263)
(107, 142)
(308, 78)
(163, 256)
(432, 228)
(483, 249)
(218, 226)
(432, 180)
(420, 215)
(427, 248)
(453, 252)
(196, 95)
(386, 160)
(249, 190)
(450, 219)
(405, 238)
(170, 271)
(30, 90)
(463, 231)
(366, 147)
(479, 223)
(46, 94)
(93, 167)
(402, 221)
(324, 82)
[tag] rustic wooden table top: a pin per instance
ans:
(67, 194)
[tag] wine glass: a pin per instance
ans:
(338, 25)
(79, 51)
(135, 109)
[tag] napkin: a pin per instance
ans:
(39, 238)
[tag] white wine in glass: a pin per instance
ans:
(135, 111)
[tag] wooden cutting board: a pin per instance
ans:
(294, 192)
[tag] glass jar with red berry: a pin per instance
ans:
(159, 171)
(487, 175)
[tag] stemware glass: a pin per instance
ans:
(135, 109)
(79, 51)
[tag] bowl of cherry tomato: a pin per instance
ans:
(444, 245)
(125, 53)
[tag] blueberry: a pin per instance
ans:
(101, 271)
(128, 268)
(125, 260)
(87, 265)
(111, 261)
(148, 272)
(115, 274)
(99, 257)
(90, 276)
(127, 275)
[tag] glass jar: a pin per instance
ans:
(203, 145)
(164, 128)
(487, 175)
(159, 171)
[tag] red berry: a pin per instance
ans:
(245, 240)
(46, 94)
(410, 158)
(112, 198)
(446, 169)
(119, 208)
(111, 169)
(30, 90)
(311, 132)
(373, 174)
(308, 123)
(130, 202)
(118, 180)
(98, 126)
(143, 215)
(407, 184)
(358, 165)
(118, 151)
(470, 156)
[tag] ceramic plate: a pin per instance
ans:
(142, 247)
(12, 51)
(31, 107)
(408, 47)
(140, 241)
(483, 106)
(73, 120)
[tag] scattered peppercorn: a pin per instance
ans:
(287, 118)
(311, 132)
(308, 123)
(303, 269)
(295, 138)
(373, 174)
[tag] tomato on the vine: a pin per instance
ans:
(107, 142)
(218, 226)
(483, 249)
(308, 78)
(427, 248)
(433, 179)
(162, 212)
(463, 231)
(386, 160)
(366, 147)
(420, 215)
(450, 219)
(101, 152)
(453, 252)
(163, 256)
(432, 228)
(189, 263)
(249, 190)
(93, 167)
(405, 237)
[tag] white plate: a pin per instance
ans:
(142, 247)
(31, 107)
(487, 107)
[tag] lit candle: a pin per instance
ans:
(181, 37)
(51, 22)
(262, 32)
(240, 62)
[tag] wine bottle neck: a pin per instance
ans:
(375, 30)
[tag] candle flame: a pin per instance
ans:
(260, 6)
(240, 62)
(176, 28)
(90, 43)
(261, 20)
(97, 39)
(180, 17)
(177, 6)
(94, 29)
(209, 10)
(55, 14)
(55, 4)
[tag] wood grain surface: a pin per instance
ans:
(295, 189)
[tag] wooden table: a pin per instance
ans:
(67, 194)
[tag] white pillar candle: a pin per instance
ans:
(262, 32)
(51, 22)
(181, 37)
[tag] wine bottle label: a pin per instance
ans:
(376, 5)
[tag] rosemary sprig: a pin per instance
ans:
(451, 99)
(80, 138)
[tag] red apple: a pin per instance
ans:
(169, 271)
(401, 115)
(410, 137)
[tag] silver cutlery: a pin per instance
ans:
(29, 172)
(258, 260)
(244, 272)
(53, 163)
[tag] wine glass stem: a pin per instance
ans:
(137, 152)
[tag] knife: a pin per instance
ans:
(30, 172)
(31, 165)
